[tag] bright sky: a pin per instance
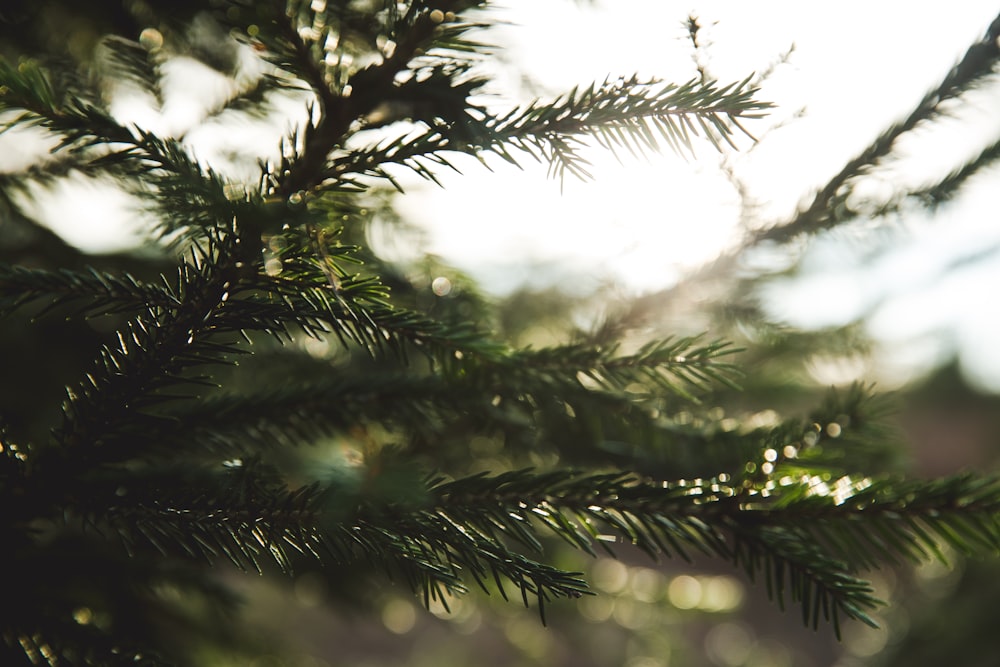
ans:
(856, 66)
(854, 70)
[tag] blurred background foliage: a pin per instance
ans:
(648, 614)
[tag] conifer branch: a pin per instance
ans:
(619, 114)
(828, 207)
(413, 32)
(100, 143)
(944, 190)
(949, 186)
(128, 61)
(153, 351)
(783, 532)
(105, 293)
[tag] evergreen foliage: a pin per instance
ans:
(829, 205)
(179, 444)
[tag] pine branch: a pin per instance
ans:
(436, 553)
(129, 61)
(250, 97)
(235, 425)
(250, 519)
(702, 516)
(355, 309)
(369, 87)
(849, 432)
(948, 187)
(246, 534)
(620, 114)
(193, 198)
(828, 207)
(935, 194)
(825, 588)
(154, 350)
(105, 293)
(29, 92)
(765, 534)
(802, 536)
(532, 408)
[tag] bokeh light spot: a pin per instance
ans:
(399, 616)
(729, 644)
(151, 39)
(610, 575)
(647, 584)
(722, 593)
(684, 592)
(273, 267)
(441, 286)
(597, 608)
